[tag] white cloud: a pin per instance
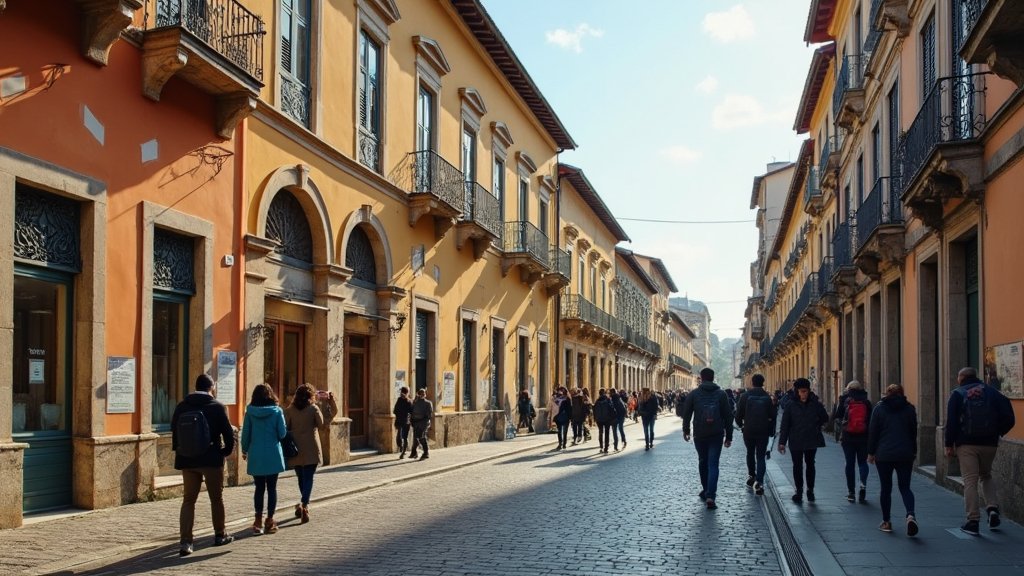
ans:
(572, 39)
(681, 155)
(729, 26)
(708, 85)
(741, 111)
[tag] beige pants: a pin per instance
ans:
(193, 482)
(976, 466)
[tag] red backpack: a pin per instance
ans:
(856, 417)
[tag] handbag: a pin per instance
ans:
(288, 445)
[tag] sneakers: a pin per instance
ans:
(970, 527)
(912, 527)
(711, 504)
(993, 517)
(412, 455)
(850, 497)
(862, 494)
(798, 498)
(425, 456)
(223, 540)
(758, 488)
(810, 495)
(750, 481)
(185, 549)
(885, 527)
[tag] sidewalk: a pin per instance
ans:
(836, 537)
(46, 546)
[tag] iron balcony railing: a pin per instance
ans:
(522, 237)
(295, 100)
(769, 302)
(851, 77)
(224, 25)
(826, 151)
(808, 293)
(576, 307)
(825, 272)
(813, 188)
(882, 206)
(677, 360)
(481, 207)
(369, 152)
(971, 11)
(426, 172)
(953, 111)
(842, 243)
(561, 262)
(874, 34)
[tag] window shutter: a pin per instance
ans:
(422, 343)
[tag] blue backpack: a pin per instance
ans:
(978, 415)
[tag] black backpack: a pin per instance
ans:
(978, 415)
(707, 414)
(680, 403)
(603, 412)
(757, 420)
(193, 434)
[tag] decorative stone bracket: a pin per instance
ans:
(102, 26)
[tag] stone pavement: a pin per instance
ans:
(837, 537)
(42, 547)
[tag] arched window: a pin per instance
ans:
(359, 257)
(287, 225)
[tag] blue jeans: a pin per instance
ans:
(563, 433)
(903, 472)
(648, 424)
(304, 474)
(709, 451)
(403, 436)
(756, 447)
(619, 430)
(266, 484)
(856, 451)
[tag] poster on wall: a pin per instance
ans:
(227, 377)
(448, 396)
(1004, 368)
(36, 371)
(120, 384)
(399, 382)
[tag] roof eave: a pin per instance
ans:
(583, 186)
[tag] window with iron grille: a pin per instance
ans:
(369, 85)
(295, 55)
(359, 257)
(893, 110)
(928, 71)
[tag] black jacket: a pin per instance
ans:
(1000, 405)
(649, 408)
(801, 424)
(619, 404)
(402, 411)
(222, 435)
(708, 389)
(741, 409)
(892, 433)
(839, 415)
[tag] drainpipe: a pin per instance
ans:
(555, 382)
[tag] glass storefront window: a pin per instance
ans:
(41, 330)
(170, 368)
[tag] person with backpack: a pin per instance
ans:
(977, 415)
(604, 416)
(712, 417)
(201, 437)
(851, 418)
(680, 402)
(802, 421)
(262, 431)
(648, 409)
(892, 446)
(526, 411)
(618, 400)
(563, 415)
(755, 415)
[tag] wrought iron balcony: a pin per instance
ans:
(561, 270)
(800, 318)
(940, 156)
(369, 150)
(436, 188)
(874, 32)
(677, 362)
(216, 45)
(812, 193)
(769, 303)
(879, 229)
(994, 29)
(296, 100)
(525, 246)
(828, 167)
(848, 94)
(584, 319)
(480, 220)
(757, 331)
(826, 299)
(844, 273)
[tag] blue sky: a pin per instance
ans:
(676, 106)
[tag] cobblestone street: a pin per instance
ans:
(538, 512)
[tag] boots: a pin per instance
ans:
(257, 526)
(305, 515)
(269, 526)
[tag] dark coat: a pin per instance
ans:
(741, 409)
(619, 404)
(649, 408)
(705, 389)
(801, 424)
(402, 411)
(839, 416)
(422, 413)
(564, 412)
(222, 435)
(892, 434)
(954, 406)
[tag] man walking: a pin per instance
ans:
(712, 417)
(422, 415)
(802, 421)
(755, 415)
(201, 437)
(976, 416)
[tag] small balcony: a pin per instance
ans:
(680, 365)
(525, 246)
(812, 193)
(892, 15)
(480, 221)
(828, 166)
(561, 270)
(436, 188)
(940, 156)
(215, 45)
(585, 320)
(848, 95)
(844, 273)
(757, 331)
(827, 301)
(994, 29)
(880, 240)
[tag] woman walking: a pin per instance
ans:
(604, 415)
(262, 431)
(801, 429)
(851, 417)
(403, 413)
(892, 446)
(563, 414)
(526, 411)
(305, 420)
(648, 409)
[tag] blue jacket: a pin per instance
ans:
(892, 432)
(262, 431)
(1000, 404)
(801, 424)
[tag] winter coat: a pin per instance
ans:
(580, 408)
(222, 435)
(801, 424)
(999, 406)
(599, 406)
(564, 412)
(305, 425)
(649, 408)
(262, 431)
(619, 403)
(741, 409)
(839, 416)
(698, 397)
(892, 433)
(422, 413)
(402, 411)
